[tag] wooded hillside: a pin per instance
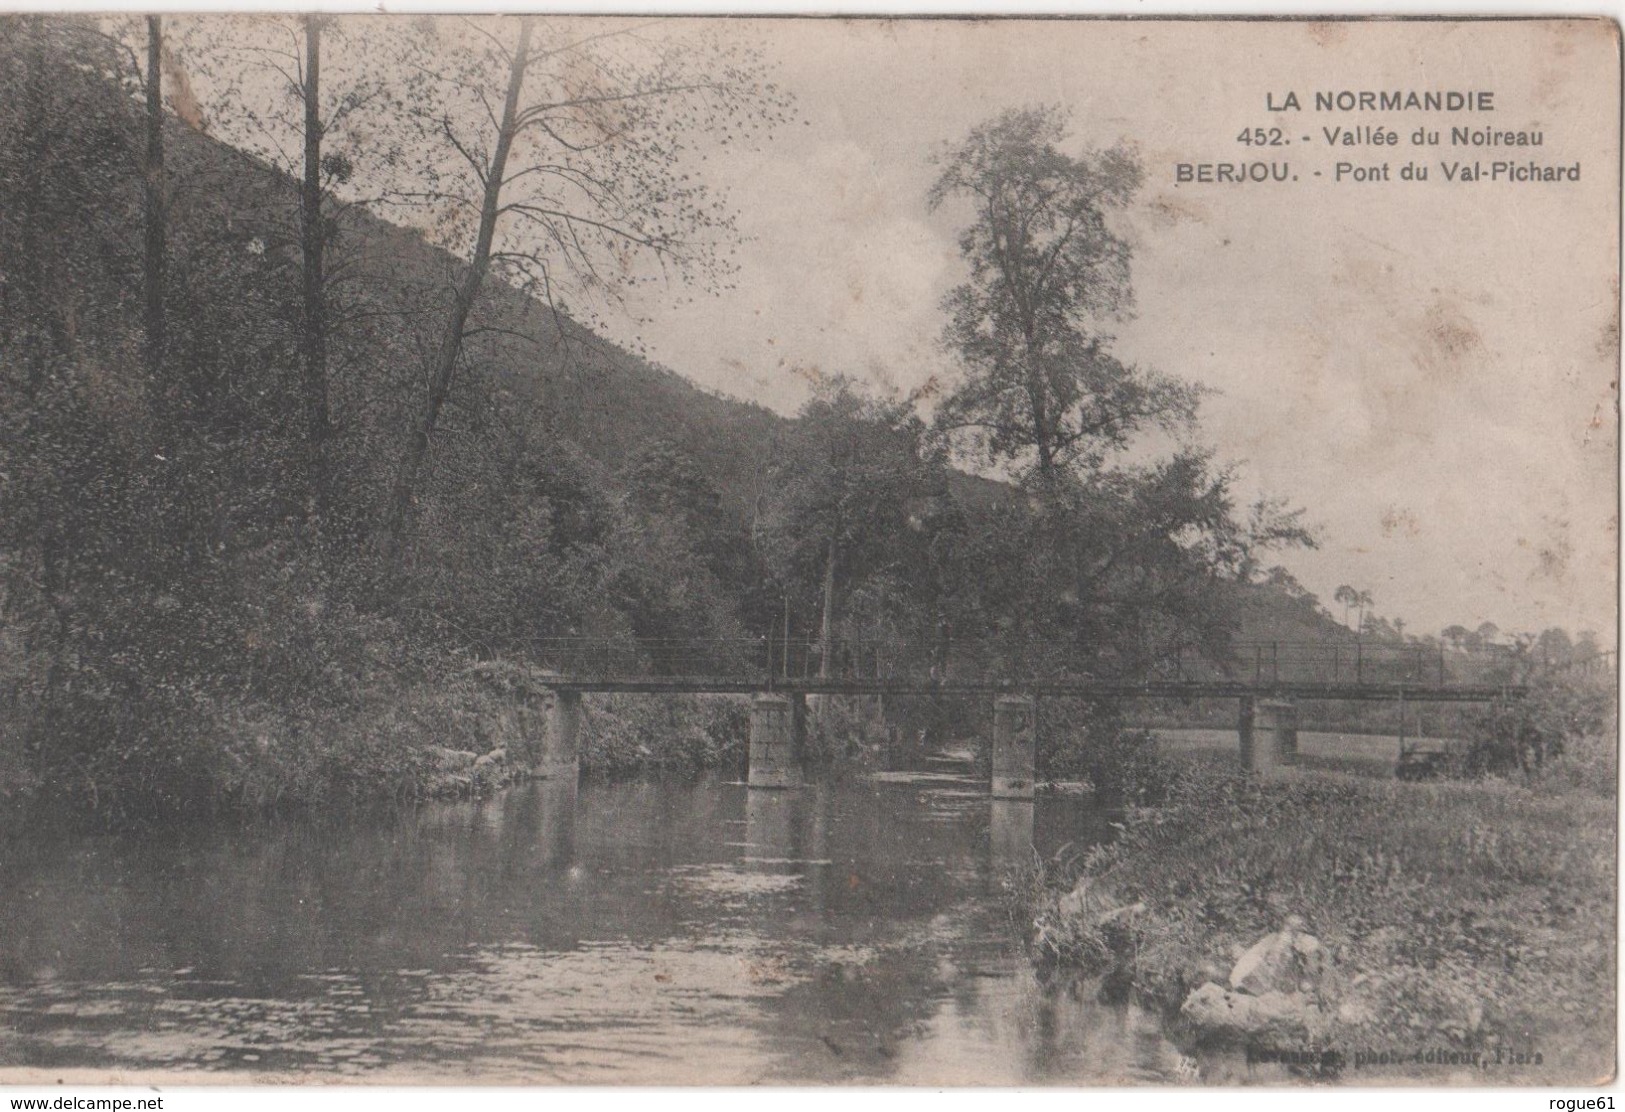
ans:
(218, 552)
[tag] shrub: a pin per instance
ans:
(122, 756)
(1128, 768)
(1461, 912)
(1086, 740)
(1524, 735)
(624, 733)
(843, 727)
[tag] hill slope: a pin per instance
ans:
(608, 403)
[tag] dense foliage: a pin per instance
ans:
(1525, 735)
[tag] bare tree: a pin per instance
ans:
(313, 294)
(580, 183)
(492, 175)
(268, 91)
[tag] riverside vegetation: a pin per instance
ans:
(1467, 915)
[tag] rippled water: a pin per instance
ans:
(652, 930)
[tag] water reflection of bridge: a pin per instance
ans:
(776, 834)
(1267, 679)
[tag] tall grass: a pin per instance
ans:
(1477, 914)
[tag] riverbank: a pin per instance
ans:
(458, 732)
(1456, 916)
(1361, 753)
(1332, 716)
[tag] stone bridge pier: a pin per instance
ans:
(778, 732)
(556, 825)
(1269, 733)
(560, 758)
(1010, 833)
(1015, 746)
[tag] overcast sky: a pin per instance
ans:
(1429, 368)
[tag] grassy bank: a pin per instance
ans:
(1361, 754)
(184, 755)
(1333, 716)
(1464, 915)
(396, 739)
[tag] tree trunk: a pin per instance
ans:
(1046, 465)
(39, 289)
(445, 366)
(829, 614)
(312, 237)
(153, 184)
(1041, 430)
(1038, 401)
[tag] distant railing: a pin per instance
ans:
(1598, 668)
(1359, 662)
(1255, 663)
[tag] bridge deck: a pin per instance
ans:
(893, 666)
(1062, 688)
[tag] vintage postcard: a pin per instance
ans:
(807, 551)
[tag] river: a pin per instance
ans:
(655, 929)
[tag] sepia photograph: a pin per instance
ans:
(624, 550)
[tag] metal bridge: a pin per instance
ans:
(1275, 669)
(1265, 678)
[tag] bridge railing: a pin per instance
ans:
(1254, 663)
(1597, 669)
(1358, 663)
(606, 656)
(755, 658)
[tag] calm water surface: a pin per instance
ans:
(651, 930)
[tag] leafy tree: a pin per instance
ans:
(1042, 390)
(1523, 735)
(845, 497)
(1378, 628)
(559, 549)
(1121, 574)
(1363, 602)
(664, 480)
(1348, 598)
(1554, 648)
(1282, 579)
(1109, 566)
